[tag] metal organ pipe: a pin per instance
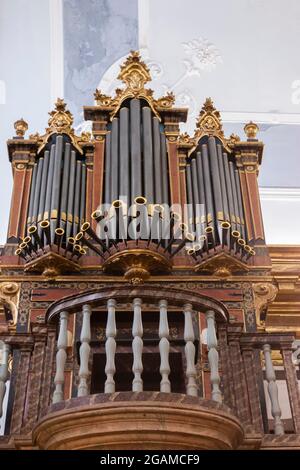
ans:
(164, 168)
(240, 203)
(107, 167)
(216, 183)
(201, 188)
(49, 184)
(235, 198)
(56, 185)
(82, 192)
(43, 190)
(148, 155)
(37, 191)
(223, 182)
(32, 192)
(157, 161)
(190, 198)
(114, 175)
(71, 194)
(135, 140)
(124, 190)
(229, 191)
(65, 184)
(76, 226)
(207, 184)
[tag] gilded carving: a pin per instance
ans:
(264, 294)
(9, 296)
(134, 73)
(60, 122)
(21, 127)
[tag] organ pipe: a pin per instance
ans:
(135, 139)
(32, 193)
(114, 180)
(215, 174)
(107, 168)
(56, 185)
(148, 155)
(124, 190)
(164, 168)
(65, 185)
(157, 161)
(77, 198)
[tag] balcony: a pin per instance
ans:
(146, 368)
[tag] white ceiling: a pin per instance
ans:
(241, 53)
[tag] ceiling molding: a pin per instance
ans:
(56, 50)
(280, 194)
(263, 118)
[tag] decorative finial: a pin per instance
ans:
(209, 120)
(134, 72)
(61, 120)
(21, 127)
(251, 130)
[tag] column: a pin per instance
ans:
(190, 350)
(137, 346)
(213, 356)
(164, 347)
(84, 351)
(110, 346)
(61, 357)
(3, 374)
(273, 391)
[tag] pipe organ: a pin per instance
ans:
(108, 196)
(136, 284)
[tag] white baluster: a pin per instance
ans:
(110, 346)
(61, 357)
(164, 347)
(84, 351)
(137, 346)
(213, 356)
(3, 374)
(190, 350)
(273, 391)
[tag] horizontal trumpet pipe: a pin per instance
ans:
(188, 237)
(89, 244)
(59, 233)
(209, 231)
(32, 230)
(225, 232)
(181, 230)
(45, 225)
(235, 235)
(86, 227)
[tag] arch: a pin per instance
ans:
(151, 293)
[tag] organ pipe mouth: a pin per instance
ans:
(197, 247)
(82, 251)
(71, 241)
(183, 227)
(23, 245)
(85, 226)
(225, 225)
(202, 238)
(117, 203)
(27, 240)
(252, 252)
(45, 224)
(176, 216)
(189, 237)
(97, 215)
(209, 230)
(158, 208)
(59, 232)
(247, 248)
(140, 200)
(241, 242)
(32, 229)
(190, 251)
(77, 247)
(18, 251)
(236, 234)
(79, 236)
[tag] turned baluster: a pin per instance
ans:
(84, 351)
(137, 346)
(61, 357)
(164, 347)
(3, 374)
(273, 391)
(110, 347)
(213, 356)
(190, 350)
